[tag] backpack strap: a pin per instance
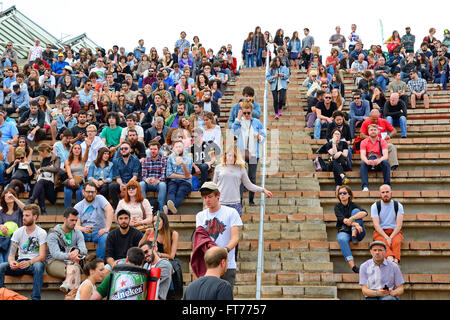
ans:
(379, 207)
(395, 207)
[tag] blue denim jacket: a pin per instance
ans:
(273, 82)
(126, 172)
(94, 172)
(257, 128)
(172, 167)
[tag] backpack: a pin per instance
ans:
(177, 280)
(395, 207)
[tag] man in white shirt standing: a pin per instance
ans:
(30, 241)
(91, 145)
(222, 224)
(35, 51)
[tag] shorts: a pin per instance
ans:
(57, 268)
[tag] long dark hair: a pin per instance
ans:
(3, 201)
(143, 105)
(166, 233)
(100, 153)
(273, 64)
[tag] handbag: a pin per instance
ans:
(76, 186)
(319, 164)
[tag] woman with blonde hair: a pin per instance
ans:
(134, 202)
(229, 175)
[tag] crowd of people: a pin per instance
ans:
(122, 125)
(125, 124)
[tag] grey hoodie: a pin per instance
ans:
(54, 249)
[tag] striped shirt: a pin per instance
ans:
(154, 168)
(417, 85)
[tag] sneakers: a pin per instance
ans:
(64, 287)
(355, 269)
(394, 168)
(345, 180)
(354, 240)
(280, 112)
(171, 207)
(365, 189)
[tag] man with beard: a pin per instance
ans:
(387, 217)
(31, 242)
(96, 215)
(66, 249)
(153, 260)
(209, 105)
(121, 239)
(126, 167)
(79, 131)
(196, 119)
(172, 121)
(156, 133)
(137, 147)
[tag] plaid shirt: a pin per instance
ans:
(417, 85)
(154, 169)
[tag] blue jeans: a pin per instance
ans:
(398, 122)
(382, 298)
(258, 57)
(318, 125)
(161, 188)
(177, 191)
(68, 196)
(2, 173)
(7, 63)
(344, 238)
(383, 82)
(383, 166)
(249, 60)
(4, 254)
(101, 242)
(36, 270)
(442, 79)
(330, 70)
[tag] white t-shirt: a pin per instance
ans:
(388, 219)
(29, 244)
(218, 225)
(139, 130)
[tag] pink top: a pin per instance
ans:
(135, 210)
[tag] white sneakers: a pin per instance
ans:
(365, 189)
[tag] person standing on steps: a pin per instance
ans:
(350, 224)
(278, 76)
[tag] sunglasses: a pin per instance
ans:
(343, 193)
(249, 113)
(327, 97)
(132, 187)
(124, 149)
(21, 158)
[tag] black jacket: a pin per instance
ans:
(345, 212)
(40, 118)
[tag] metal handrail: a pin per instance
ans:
(260, 265)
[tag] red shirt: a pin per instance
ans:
(367, 145)
(383, 126)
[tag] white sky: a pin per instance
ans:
(221, 22)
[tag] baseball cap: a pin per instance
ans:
(379, 243)
(60, 55)
(68, 68)
(16, 87)
(123, 211)
(209, 186)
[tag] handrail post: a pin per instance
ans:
(260, 266)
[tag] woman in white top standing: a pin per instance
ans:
(140, 208)
(211, 131)
(229, 176)
(95, 272)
